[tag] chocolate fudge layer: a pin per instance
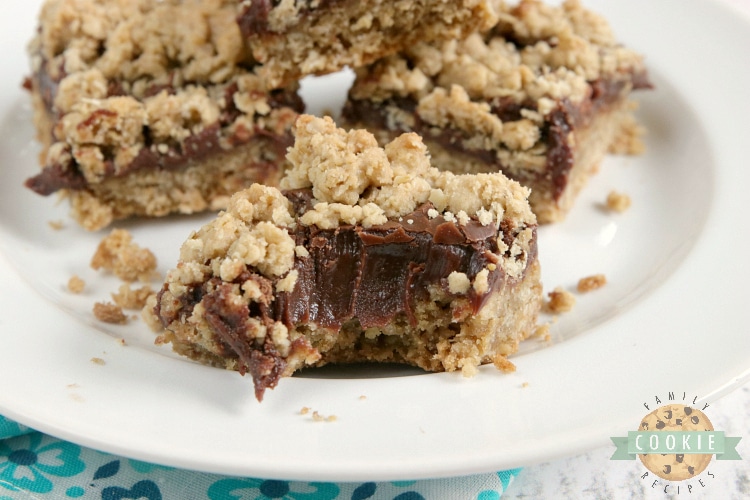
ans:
(541, 97)
(295, 38)
(369, 254)
(151, 107)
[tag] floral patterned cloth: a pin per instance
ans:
(36, 466)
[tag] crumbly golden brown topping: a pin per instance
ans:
(536, 51)
(353, 179)
(250, 233)
(140, 41)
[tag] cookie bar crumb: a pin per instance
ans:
(524, 385)
(56, 224)
(130, 298)
(128, 261)
(590, 283)
(542, 332)
(76, 284)
(109, 313)
(304, 410)
(98, 361)
(630, 139)
(317, 417)
(618, 202)
(504, 365)
(560, 301)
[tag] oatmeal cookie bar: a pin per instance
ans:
(151, 107)
(295, 38)
(542, 97)
(368, 254)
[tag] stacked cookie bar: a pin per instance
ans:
(542, 97)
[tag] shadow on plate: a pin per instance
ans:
(360, 371)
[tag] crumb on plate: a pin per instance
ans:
(542, 332)
(618, 202)
(502, 364)
(109, 313)
(590, 283)
(132, 298)
(128, 261)
(560, 301)
(76, 284)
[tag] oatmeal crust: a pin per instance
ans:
(541, 96)
(295, 38)
(369, 254)
(151, 107)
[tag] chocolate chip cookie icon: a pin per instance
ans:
(675, 417)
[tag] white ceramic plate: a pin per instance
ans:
(671, 317)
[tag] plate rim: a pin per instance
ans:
(484, 463)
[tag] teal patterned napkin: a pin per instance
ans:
(37, 466)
